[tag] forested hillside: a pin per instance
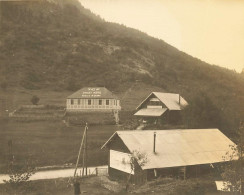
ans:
(62, 46)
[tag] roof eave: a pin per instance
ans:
(104, 145)
(144, 101)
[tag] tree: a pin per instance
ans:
(233, 171)
(35, 100)
(202, 113)
(136, 158)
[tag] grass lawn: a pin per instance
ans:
(12, 98)
(47, 143)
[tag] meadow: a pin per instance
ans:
(48, 143)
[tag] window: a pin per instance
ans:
(107, 102)
(100, 102)
(78, 101)
(72, 102)
(89, 102)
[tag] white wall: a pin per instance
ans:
(113, 104)
(120, 161)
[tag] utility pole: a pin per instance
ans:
(84, 163)
(86, 148)
(10, 156)
(81, 145)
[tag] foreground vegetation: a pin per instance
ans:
(64, 186)
(101, 185)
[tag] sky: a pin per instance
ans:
(211, 30)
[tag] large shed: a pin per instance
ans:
(167, 151)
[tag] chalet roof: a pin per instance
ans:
(150, 112)
(175, 148)
(93, 93)
(170, 100)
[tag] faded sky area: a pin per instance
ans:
(212, 30)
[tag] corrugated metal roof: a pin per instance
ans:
(93, 92)
(150, 112)
(175, 148)
(170, 100)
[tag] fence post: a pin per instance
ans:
(96, 171)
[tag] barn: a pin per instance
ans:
(160, 105)
(177, 153)
(90, 99)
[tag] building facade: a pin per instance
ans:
(92, 99)
(168, 152)
(158, 105)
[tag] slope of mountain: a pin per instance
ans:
(59, 45)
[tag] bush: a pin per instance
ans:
(19, 182)
(35, 100)
(4, 85)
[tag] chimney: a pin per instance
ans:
(179, 99)
(154, 142)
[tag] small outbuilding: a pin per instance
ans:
(159, 104)
(168, 152)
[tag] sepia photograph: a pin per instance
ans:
(122, 97)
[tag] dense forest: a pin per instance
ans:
(59, 45)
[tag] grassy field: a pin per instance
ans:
(11, 99)
(51, 143)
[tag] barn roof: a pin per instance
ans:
(175, 148)
(170, 100)
(93, 92)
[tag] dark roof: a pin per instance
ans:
(93, 93)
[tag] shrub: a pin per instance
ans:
(4, 85)
(35, 100)
(19, 182)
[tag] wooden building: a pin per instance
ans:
(168, 152)
(90, 99)
(160, 105)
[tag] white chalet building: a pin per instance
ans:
(92, 99)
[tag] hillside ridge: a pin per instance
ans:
(63, 46)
